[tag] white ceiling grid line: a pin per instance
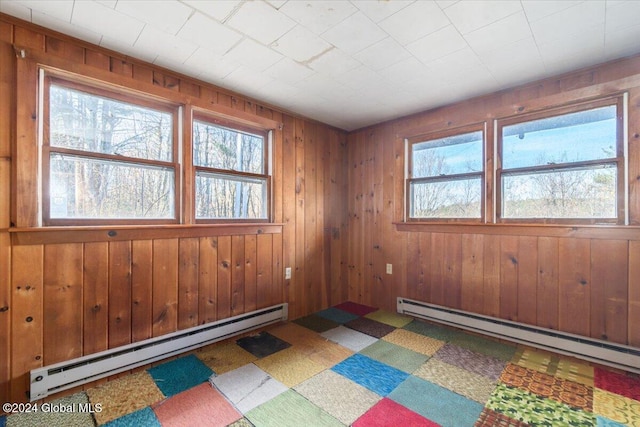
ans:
(352, 63)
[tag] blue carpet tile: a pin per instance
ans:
(180, 374)
(144, 417)
(377, 377)
(337, 315)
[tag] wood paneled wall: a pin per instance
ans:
(583, 280)
(72, 292)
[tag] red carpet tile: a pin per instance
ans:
(389, 413)
(627, 385)
(199, 406)
(355, 308)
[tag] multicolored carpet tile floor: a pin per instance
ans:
(356, 365)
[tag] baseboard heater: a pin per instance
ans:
(65, 375)
(598, 351)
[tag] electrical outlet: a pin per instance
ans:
(389, 268)
(287, 273)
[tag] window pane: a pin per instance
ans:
(83, 121)
(582, 136)
(221, 196)
(90, 188)
(446, 199)
(573, 193)
(445, 156)
(222, 148)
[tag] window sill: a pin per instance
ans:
(51, 235)
(619, 232)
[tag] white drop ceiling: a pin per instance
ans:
(352, 63)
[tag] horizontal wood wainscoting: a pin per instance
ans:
(67, 292)
(582, 279)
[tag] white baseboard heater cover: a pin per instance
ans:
(598, 351)
(72, 373)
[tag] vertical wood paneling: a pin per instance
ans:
(141, 290)
(527, 279)
(251, 256)
(472, 295)
(208, 280)
(264, 270)
(5, 317)
(312, 252)
(289, 209)
(509, 277)
(300, 201)
(95, 297)
(437, 267)
(62, 297)
(27, 317)
(188, 283)
(609, 290)
(491, 282)
(633, 331)
(452, 270)
(119, 293)
(277, 294)
(237, 275)
(165, 286)
(415, 272)
(224, 277)
(634, 156)
(547, 291)
(574, 280)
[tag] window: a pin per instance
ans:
(231, 171)
(107, 158)
(563, 166)
(446, 176)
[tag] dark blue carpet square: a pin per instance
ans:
(3, 420)
(337, 315)
(143, 417)
(376, 376)
(180, 374)
(436, 403)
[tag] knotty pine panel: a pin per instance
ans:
(189, 250)
(95, 297)
(5, 316)
(119, 293)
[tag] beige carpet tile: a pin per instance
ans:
(538, 360)
(575, 370)
(225, 357)
(289, 366)
(416, 342)
(124, 395)
(472, 386)
(338, 396)
(68, 411)
(393, 319)
(616, 408)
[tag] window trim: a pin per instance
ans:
(619, 161)
(118, 94)
(266, 134)
(425, 137)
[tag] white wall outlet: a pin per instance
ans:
(389, 268)
(287, 273)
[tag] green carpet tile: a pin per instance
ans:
(355, 365)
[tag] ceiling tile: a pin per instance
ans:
(431, 19)
(471, 15)
(382, 54)
(202, 30)
(536, 9)
(622, 15)
(219, 9)
(112, 24)
(16, 9)
(166, 16)
(621, 43)
(246, 81)
(361, 77)
(333, 62)
(438, 44)
(379, 10)
(454, 66)
(288, 71)
(253, 54)
(65, 27)
(318, 16)
(406, 71)
(576, 20)
(127, 49)
(577, 50)
(511, 63)
(500, 33)
(300, 44)
(61, 9)
(260, 21)
(109, 3)
(166, 45)
(210, 63)
(355, 33)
